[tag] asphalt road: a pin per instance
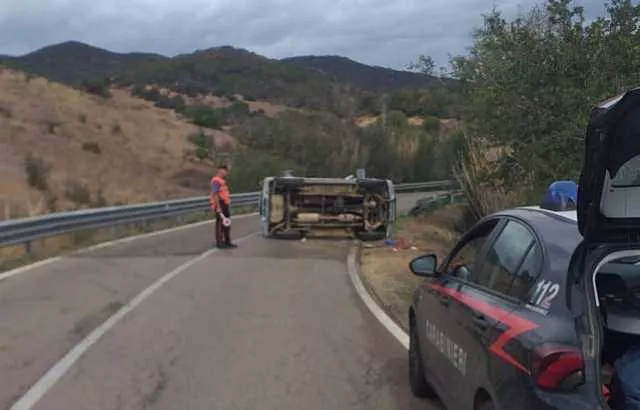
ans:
(271, 325)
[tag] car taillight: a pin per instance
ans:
(557, 368)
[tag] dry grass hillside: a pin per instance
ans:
(123, 147)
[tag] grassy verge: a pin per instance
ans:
(384, 268)
(16, 256)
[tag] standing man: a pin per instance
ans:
(220, 200)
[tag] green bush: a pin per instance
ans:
(37, 173)
(204, 145)
(96, 87)
(431, 124)
(175, 103)
(204, 116)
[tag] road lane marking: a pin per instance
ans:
(377, 311)
(49, 379)
(22, 269)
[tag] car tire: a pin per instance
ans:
(417, 379)
(487, 405)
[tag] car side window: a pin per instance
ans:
(503, 259)
(527, 274)
(462, 261)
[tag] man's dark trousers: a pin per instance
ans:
(223, 233)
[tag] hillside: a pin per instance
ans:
(157, 125)
(72, 62)
(363, 76)
(94, 150)
(309, 82)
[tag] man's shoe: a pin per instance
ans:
(231, 245)
(222, 246)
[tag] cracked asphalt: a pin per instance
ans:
(274, 324)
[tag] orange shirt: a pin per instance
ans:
(219, 186)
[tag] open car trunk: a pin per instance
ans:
(617, 286)
(362, 207)
(604, 269)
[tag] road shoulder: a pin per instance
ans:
(383, 266)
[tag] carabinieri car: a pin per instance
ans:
(533, 306)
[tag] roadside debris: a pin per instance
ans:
(395, 244)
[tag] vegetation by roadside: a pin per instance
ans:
(15, 256)
(527, 86)
(384, 268)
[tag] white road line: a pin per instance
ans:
(49, 379)
(378, 312)
(22, 269)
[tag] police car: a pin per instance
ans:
(533, 306)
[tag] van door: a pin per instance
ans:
(608, 215)
(264, 206)
(392, 209)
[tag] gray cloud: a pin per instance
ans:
(382, 32)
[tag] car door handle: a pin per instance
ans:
(480, 321)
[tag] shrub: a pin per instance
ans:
(91, 147)
(204, 116)
(175, 103)
(116, 128)
(77, 193)
(51, 126)
(486, 194)
(37, 172)
(204, 145)
(96, 87)
(431, 123)
(396, 119)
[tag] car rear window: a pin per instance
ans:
(502, 266)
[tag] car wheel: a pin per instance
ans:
(417, 380)
(487, 405)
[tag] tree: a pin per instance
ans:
(425, 64)
(204, 145)
(204, 116)
(529, 83)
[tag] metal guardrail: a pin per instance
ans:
(25, 230)
(428, 204)
(420, 186)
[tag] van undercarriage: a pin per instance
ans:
(301, 205)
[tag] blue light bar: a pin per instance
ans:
(561, 196)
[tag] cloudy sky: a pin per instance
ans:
(383, 32)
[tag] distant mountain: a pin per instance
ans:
(311, 81)
(72, 62)
(361, 75)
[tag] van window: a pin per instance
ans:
(503, 260)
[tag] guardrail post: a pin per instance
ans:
(27, 248)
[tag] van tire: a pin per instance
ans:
(371, 236)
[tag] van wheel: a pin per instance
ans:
(370, 236)
(417, 380)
